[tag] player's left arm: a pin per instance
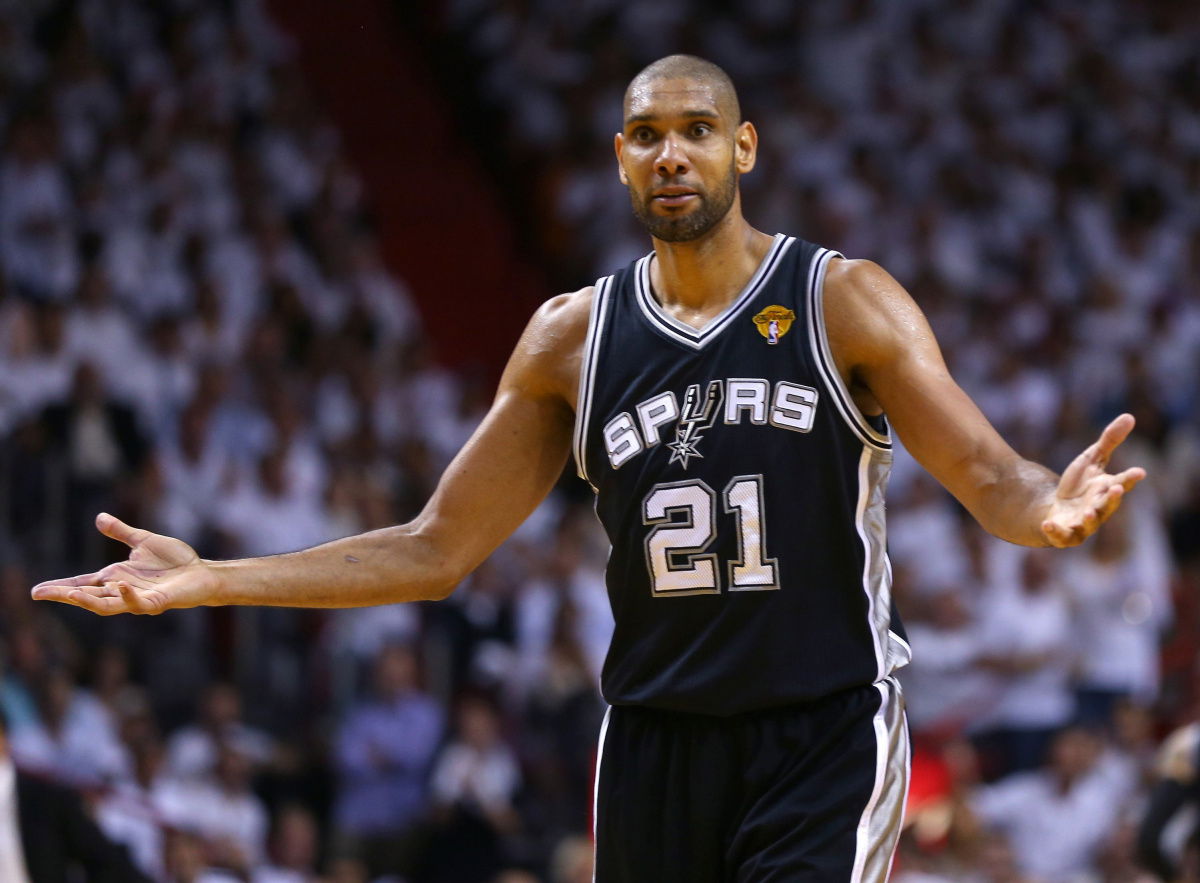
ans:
(887, 353)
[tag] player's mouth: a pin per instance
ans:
(674, 196)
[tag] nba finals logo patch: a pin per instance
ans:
(774, 322)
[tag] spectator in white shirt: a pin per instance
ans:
(474, 785)
(293, 848)
(1121, 595)
(1060, 817)
(1026, 641)
(268, 513)
(193, 472)
(74, 738)
(222, 810)
(192, 751)
(37, 245)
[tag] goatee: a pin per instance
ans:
(692, 225)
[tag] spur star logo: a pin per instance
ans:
(695, 417)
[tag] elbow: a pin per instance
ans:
(442, 578)
(439, 562)
(440, 590)
(423, 565)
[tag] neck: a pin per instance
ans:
(702, 276)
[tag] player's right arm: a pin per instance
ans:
(506, 468)
(888, 355)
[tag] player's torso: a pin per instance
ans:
(742, 494)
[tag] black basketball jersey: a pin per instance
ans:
(742, 492)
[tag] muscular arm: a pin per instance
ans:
(886, 352)
(501, 474)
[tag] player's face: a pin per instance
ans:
(680, 158)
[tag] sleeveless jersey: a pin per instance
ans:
(742, 492)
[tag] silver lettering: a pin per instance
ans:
(656, 412)
(621, 439)
(794, 406)
(746, 394)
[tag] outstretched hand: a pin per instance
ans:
(1087, 494)
(160, 574)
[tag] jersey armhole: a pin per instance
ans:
(818, 340)
(587, 376)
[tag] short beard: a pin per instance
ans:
(691, 226)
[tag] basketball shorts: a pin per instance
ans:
(810, 793)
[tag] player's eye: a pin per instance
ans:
(699, 130)
(643, 134)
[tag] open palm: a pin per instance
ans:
(1087, 494)
(161, 573)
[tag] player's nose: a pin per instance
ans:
(672, 158)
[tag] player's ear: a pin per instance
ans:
(618, 146)
(745, 147)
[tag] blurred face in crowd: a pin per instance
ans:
(478, 724)
(183, 856)
(88, 387)
(295, 842)
(232, 770)
(395, 671)
(346, 870)
(1073, 753)
(680, 154)
(1037, 571)
(148, 761)
(222, 706)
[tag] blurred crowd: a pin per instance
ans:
(198, 333)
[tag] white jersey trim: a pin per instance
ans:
(871, 564)
(698, 338)
(587, 375)
(596, 792)
(823, 357)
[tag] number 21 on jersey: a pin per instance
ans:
(682, 517)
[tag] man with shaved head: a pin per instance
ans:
(730, 398)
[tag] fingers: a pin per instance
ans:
(1113, 434)
(135, 602)
(1059, 536)
(1084, 522)
(105, 599)
(1106, 506)
(1094, 459)
(86, 579)
(96, 598)
(1130, 477)
(105, 605)
(116, 529)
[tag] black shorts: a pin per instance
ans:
(806, 793)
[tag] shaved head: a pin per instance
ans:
(688, 67)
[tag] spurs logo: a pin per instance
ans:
(734, 401)
(695, 417)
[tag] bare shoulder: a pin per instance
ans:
(550, 352)
(563, 318)
(868, 314)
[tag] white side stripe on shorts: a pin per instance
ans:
(879, 827)
(596, 791)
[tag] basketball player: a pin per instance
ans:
(725, 398)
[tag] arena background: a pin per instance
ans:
(260, 264)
